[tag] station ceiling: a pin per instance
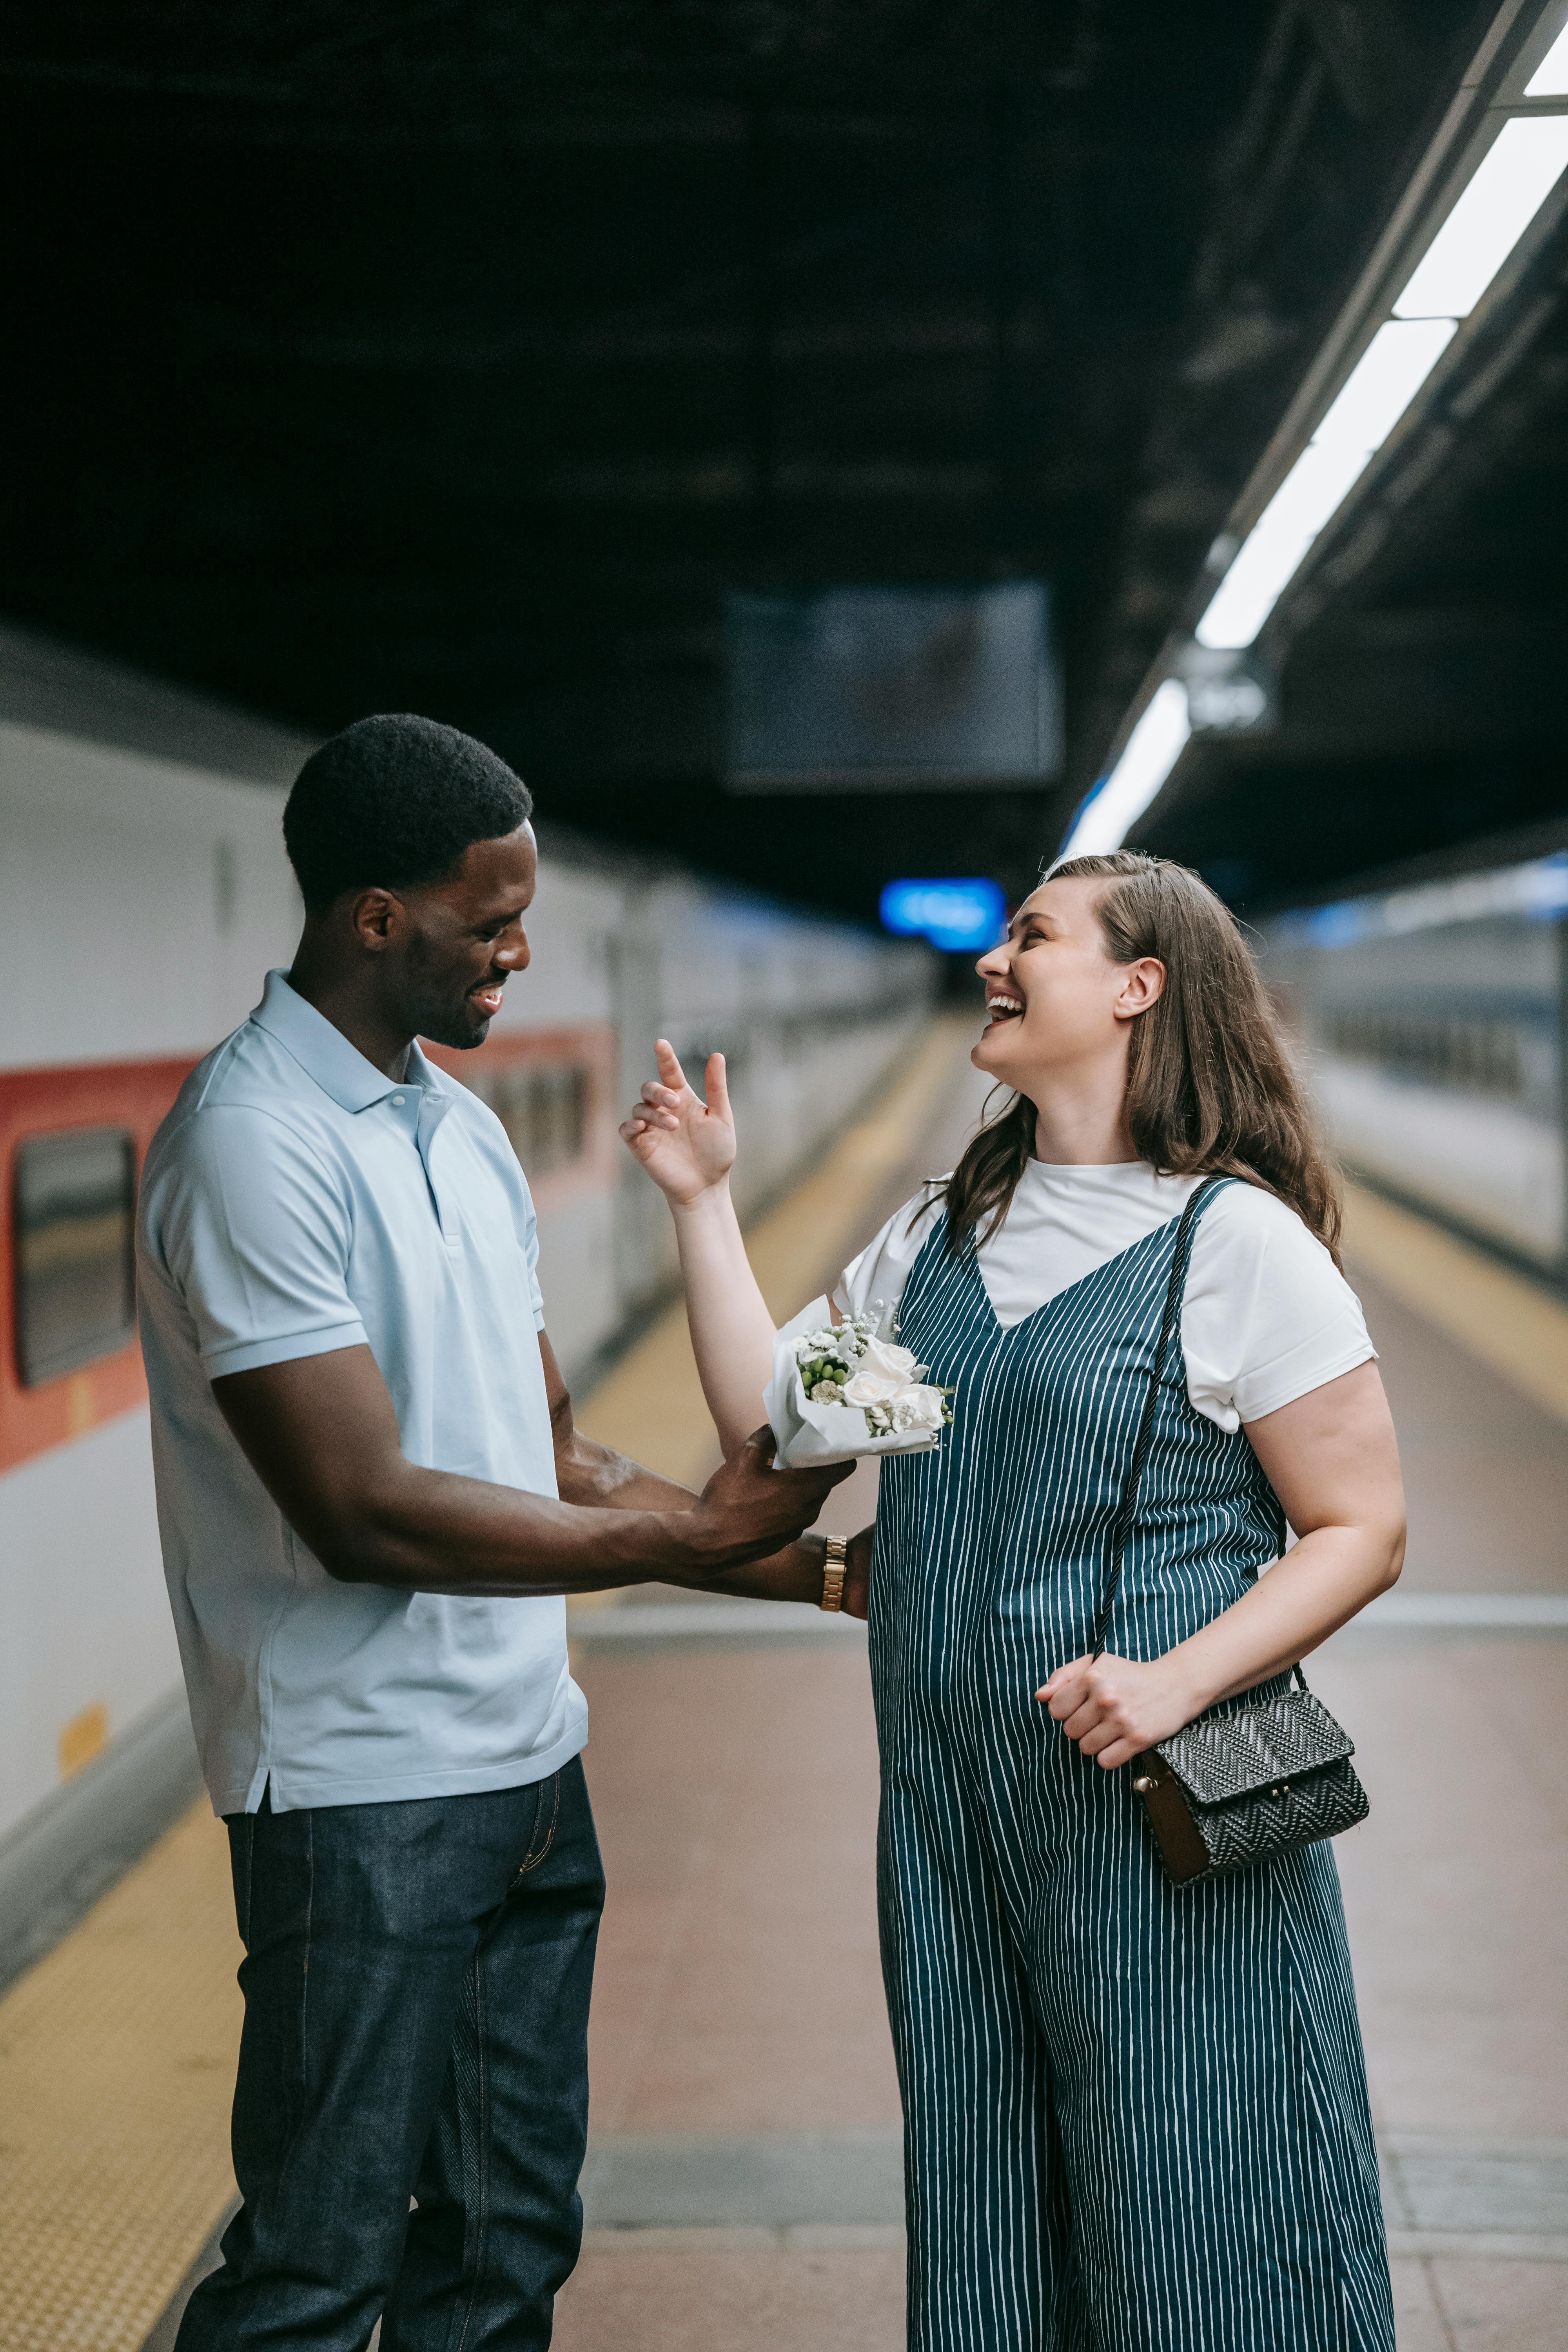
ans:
(442, 355)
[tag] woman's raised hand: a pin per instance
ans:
(686, 1144)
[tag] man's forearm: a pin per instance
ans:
(428, 1531)
(322, 1437)
(596, 1477)
(793, 1574)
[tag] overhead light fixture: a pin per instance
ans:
(1384, 380)
(1498, 197)
(1508, 188)
(1510, 184)
(1391, 371)
(1274, 548)
(1152, 752)
(1549, 78)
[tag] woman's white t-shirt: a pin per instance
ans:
(1265, 1318)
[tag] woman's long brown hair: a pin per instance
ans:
(1210, 1089)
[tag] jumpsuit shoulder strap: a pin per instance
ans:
(1126, 1508)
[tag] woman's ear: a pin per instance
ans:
(1143, 984)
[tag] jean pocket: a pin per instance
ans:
(546, 1814)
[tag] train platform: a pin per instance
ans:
(744, 2189)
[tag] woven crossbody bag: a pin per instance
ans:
(1251, 1778)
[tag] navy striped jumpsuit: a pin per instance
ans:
(1135, 2116)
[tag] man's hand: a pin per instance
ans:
(751, 1509)
(1116, 1708)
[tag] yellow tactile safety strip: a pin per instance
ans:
(1506, 1319)
(117, 2060)
(651, 1405)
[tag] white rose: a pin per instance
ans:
(923, 1406)
(881, 1372)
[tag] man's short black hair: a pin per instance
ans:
(394, 802)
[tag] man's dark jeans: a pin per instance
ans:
(416, 1981)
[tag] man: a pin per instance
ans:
(371, 1498)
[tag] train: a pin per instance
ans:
(144, 896)
(1430, 1014)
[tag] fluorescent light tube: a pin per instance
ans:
(1384, 380)
(1508, 188)
(1274, 546)
(1152, 749)
(1549, 78)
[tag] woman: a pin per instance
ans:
(1135, 2115)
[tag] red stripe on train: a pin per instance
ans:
(131, 1095)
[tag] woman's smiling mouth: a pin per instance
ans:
(1002, 1007)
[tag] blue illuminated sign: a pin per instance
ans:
(956, 915)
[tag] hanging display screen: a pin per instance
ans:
(891, 689)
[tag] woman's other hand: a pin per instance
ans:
(1116, 1708)
(686, 1144)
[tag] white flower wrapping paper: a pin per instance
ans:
(812, 1429)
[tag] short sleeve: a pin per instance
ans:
(875, 1280)
(248, 1224)
(1267, 1317)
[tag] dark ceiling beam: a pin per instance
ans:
(462, 346)
(727, 478)
(1365, 46)
(327, 48)
(270, 113)
(762, 325)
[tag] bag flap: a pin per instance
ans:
(1224, 1756)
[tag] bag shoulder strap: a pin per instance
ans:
(1126, 1508)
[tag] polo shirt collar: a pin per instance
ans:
(325, 1054)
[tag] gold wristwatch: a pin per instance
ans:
(834, 1550)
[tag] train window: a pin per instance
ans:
(1478, 1056)
(73, 1202)
(543, 1108)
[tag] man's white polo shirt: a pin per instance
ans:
(296, 1200)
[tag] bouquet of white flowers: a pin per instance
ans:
(838, 1390)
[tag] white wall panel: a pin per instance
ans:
(82, 1601)
(140, 903)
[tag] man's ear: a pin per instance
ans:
(375, 916)
(1143, 985)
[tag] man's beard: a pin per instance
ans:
(445, 1018)
(443, 1027)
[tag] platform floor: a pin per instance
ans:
(744, 2189)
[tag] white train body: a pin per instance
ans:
(1432, 1020)
(143, 895)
